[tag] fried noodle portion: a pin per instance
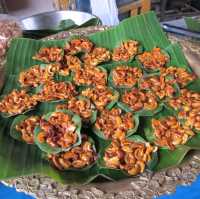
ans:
(26, 128)
(51, 54)
(37, 75)
(82, 107)
(56, 91)
(159, 86)
(68, 64)
(188, 105)
(128, 155)
(17, 102)
(126, 51)
(78, 45)
(96, 56)
(170, 133)
(58, 131)
(138, 100)
(114, 124)
(77, 157)
(154, 59)
(100, 96)
(90, 76)
(126, 76)
(180, 75)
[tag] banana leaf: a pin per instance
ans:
(93, 117)
(114, 92)
(142, 112)
(174, 85)
(13, 131)
(54, 150)
(111, 67)
(63, 26)
(90, 85)
(18, 158)
(99, 133)
(116, 174)
(193, 23)
(163, 51)
(168, 158)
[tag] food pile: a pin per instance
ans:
(10, 29)
(101, 96)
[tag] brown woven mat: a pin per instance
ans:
(144, 186)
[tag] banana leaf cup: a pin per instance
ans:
(142, 112)
(164, 52)
(122, 87)
(128, 133)
(116, 174)
(54, 150)
(93, 116)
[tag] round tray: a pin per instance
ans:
(144, 186)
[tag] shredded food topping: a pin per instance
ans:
(17, 102)
(115, 124)
(128, 155)
(78, 45)
(126, 51)
(26, 128)
(126, 76)
(51, 54)
(97, 56)
(77, 157)
(159, 86)
(154, 59)
(188, 105)
(37, 75)
(58, 131)
(56, 91)
(82, 107)
(170, 133)
(180, 75)
(90, 76)
(138, 100)
(68, 64)
(100, 96)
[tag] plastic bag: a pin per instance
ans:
(106, 10)
(10, 28)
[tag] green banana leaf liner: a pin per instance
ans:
(47, 148)
(84, 168)
(140, 51)
(7, 115)
(80, 53)
(177, 57)
(109, 105)
(116, 174)
(147, 30)
(110, 77)
(128, 133)
(49, 62)
(13, 131)
(143, 112)
(93, 117)
(174, 85)
(192, 86)
(169, 158)
(39, 89)
(154, 70)
(63, 26)
(192, 23)
(86, 85)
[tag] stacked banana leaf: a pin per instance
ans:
(193, 23)
(20, 159)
